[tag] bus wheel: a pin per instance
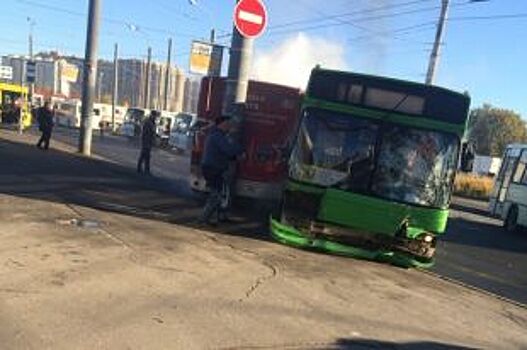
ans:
(511, 222)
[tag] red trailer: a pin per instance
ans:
(271, 117)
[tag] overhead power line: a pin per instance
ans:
(491, 17)
(365, 19)
(105, 19)
(372, 32)
(340, 17)
(401, 31)
(349, 14)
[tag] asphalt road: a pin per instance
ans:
(475, 250)
(94, 255)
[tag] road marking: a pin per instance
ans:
(250, 17)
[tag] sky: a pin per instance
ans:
(483, 52)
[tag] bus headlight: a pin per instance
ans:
(426, 237)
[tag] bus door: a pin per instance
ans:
(10, 106)
(503, 181)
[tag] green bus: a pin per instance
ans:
(372, 167)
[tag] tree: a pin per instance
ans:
(491, 129)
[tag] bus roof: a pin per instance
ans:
(14, 88)
(388, 96)
(394, 81)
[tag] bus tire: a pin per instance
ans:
(511, 221)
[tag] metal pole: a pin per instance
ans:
(212, 36)
(436, 50)
(146, 103)
(99, 86)
(31, 56)
(168, 71)
(90, 74)
(159, 83)
(115, 85)
(238, 76)
(23, 78)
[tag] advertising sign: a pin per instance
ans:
(31, 71)
(206, 59)
(69, 72)
(6, 72)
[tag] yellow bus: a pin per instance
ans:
(14, 104)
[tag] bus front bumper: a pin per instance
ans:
(293, 237)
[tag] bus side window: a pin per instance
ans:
(523, 164)
(520, 171)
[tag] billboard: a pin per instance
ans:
(6, 72)
(69, 72)
(206, 58)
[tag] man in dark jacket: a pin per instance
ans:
(219, 151)
(45, 125)
(148, 136)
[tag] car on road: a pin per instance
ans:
(509, 196)
(182, 134)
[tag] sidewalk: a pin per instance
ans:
(95, 257)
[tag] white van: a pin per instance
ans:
(509, 196)
(69, 112)
(133, 120)
(181, 136)
(105, 110)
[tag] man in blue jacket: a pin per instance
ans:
(219, 151)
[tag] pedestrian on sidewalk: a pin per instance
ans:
(220, 151)
(45, 125)
(148, 135)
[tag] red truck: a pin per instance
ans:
(271, 117)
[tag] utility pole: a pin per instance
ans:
(115, 85)
(168, 71)
(436, 50)
(212, 35)
(99, 87)
(90, 74)
(146, 103)
(30, 38)
(159, 97)
(238, 75)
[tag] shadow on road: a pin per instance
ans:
(358, 344)
(67, 178)
(485, 235)
(469, 209)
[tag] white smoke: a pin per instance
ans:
(290, 62)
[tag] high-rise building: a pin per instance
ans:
(192, 87)
(47, 80)
(63, 75)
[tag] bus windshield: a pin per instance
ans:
(134, 115)
(398, 163)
